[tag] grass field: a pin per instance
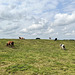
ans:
(37, 57)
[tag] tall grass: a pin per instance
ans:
(37, 57)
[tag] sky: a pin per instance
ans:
(37, 18)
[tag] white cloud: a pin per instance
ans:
(63, 19)
(65, 28)
(35, 26)
(73, 31)
(37, 33)
(49, 30)
(24, 30)
(34, 34)
(37, 17)
(70, 33)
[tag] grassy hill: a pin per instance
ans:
(37, 57)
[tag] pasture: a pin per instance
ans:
(37, 57)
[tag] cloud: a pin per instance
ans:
(39, 24)
(24, 30)
(37, 18)
(63, 19)
(69, 6)
(70, 33)
(49, 30)
(35, 26)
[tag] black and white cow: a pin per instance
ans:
(62, 46)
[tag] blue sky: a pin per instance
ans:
(37, 18)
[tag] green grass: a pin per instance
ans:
(37, 57)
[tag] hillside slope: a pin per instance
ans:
(37, 57)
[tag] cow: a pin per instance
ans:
(55, 39)
(37, 38)
(21, 38)
(50, 38)
(62, 46)
(10, 43)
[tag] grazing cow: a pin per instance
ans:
(55, 39)
(50, 38)
(37, 38)
(62, 46)
(21, 38)
(10, 43)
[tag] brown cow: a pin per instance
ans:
(10, 43)
(21, 38)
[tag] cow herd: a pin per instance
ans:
(11, 43)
